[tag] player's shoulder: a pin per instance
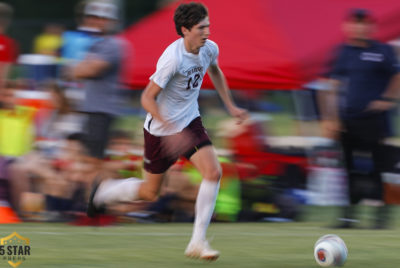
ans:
(340, 48)
(211, 45)
(377, 45)
(173, 51)
(341, 52)
(107, 44)
(6, 40)
(174, 47)
(211, 48)
(172, 54)
(383, 48)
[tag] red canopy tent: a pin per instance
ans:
(264, 44)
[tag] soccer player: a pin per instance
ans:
(173, 126)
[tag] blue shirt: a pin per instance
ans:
(77, 43)
(103, 93)
(365, 73)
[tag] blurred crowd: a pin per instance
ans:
(52, 104)
(58, 114)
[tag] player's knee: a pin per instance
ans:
(150, 196)
(214, 175)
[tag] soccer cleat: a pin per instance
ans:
(201, 250)
(92, 210)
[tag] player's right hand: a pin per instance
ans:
(331, 129)
(240, 114)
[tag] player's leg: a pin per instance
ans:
(97, 130)
(347, 217)
(112, 191)
(95, 140)
(205, 160)
(380, 159)
(128, 190)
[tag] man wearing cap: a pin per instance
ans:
(77, 42)
(100, 70)
(365, 83)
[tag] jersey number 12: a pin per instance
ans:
(195, 80)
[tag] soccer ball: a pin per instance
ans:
(330, 250)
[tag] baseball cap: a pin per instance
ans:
(103, 10)
(360, 14)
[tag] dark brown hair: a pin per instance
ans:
(188, 15)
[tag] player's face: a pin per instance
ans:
(198, 34)
(102, 24)
(358, 30)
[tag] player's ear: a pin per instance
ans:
(184, 30)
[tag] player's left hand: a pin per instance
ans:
(240, 114)
(380, 105)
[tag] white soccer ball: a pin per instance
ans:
(330, 250)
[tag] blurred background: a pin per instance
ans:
(272, 53)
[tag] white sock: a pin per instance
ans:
(204, 208)
(117, 190)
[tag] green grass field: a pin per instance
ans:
(273, 245)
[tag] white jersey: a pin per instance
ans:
(180, 75)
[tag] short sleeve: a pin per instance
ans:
(167, 66)
(335, 67)
(108, 50)
(214, 53)
(9, 51)
(391, 63)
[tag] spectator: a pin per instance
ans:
(63, 120)
(59, 181)
(100, 70)
(76, 43)
(16, 124)
(49, 42)
(365, 81)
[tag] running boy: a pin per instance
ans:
(173, 126)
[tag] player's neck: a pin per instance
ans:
(359, 42)
(190, 47)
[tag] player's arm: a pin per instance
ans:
(328, 99)
(389, 98)
(328, 106)
(328, 96)
(89, 68)
(393, 90)
(148, 100)
(220, 84)
(391, 95)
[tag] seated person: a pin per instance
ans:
(58, 180)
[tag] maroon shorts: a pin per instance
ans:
(156, 161)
